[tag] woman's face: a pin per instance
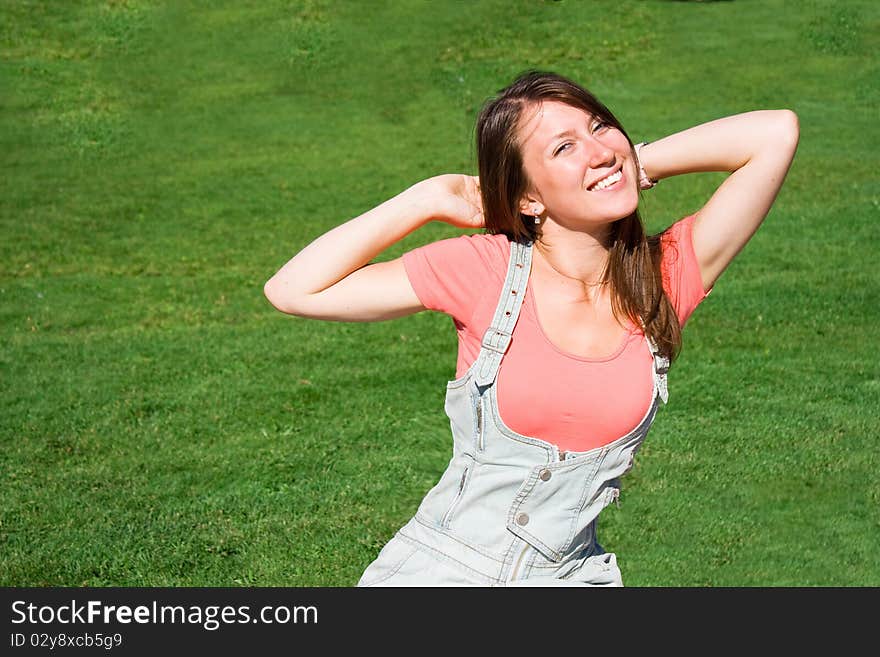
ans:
(580, 168)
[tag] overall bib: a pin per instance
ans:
(511, 509)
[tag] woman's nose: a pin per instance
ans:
(601, 156)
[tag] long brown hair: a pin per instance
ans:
(633, 269)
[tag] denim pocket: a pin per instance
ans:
(391, 559)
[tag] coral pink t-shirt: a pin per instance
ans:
(573, 402)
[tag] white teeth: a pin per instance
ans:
(607, 181)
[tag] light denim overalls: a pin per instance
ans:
(511, 509)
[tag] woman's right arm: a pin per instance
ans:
(328, 279)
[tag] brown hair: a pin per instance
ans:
(633, 269)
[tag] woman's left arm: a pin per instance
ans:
(757, 148)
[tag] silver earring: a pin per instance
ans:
(537, 218)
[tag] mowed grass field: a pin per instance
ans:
(162, 425)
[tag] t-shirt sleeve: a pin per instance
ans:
(452, 275)
(682, 281)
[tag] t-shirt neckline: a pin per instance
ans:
(621, 347)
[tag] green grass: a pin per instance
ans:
(162, 425)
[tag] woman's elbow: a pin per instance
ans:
(275, 292)
(788, 127)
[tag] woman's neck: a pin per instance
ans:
(580, 256)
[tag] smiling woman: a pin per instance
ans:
(568, 317)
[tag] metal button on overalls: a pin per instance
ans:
(494, 518)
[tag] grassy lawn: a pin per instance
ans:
(162, 425)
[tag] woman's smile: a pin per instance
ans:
(609, 182)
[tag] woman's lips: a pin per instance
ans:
(609, 182)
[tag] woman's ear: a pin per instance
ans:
(531, 206)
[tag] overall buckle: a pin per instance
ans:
(496, 340)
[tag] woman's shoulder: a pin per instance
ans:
(485, 242)
(678, 234)
(491, 247)
(467, 251)
(452, 274)
(677, 245)
(680, 269)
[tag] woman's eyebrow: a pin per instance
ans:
(570, 132)
(564, 133)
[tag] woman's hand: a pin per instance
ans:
(453, 198)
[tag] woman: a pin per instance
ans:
(567, 314)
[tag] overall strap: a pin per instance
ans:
(661, 367)
(496, 339)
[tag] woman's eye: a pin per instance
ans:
(598, 125)
(562, 148)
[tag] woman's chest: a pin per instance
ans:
(575, 403)
(577, 322)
